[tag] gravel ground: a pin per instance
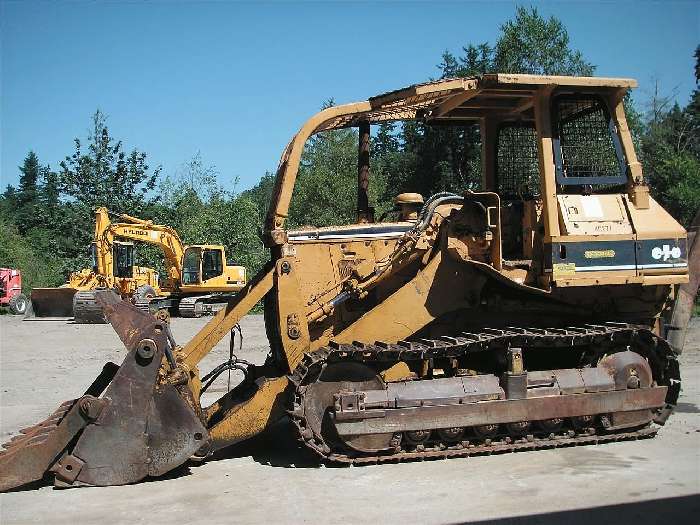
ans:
(268, 479)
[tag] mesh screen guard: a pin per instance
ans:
(587, 149)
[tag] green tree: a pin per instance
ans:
(326, 188)
(105, 174)
(39, 267)
(27, 194)
(531, 44)
(50, 196)
(203, 212)
(671, 155)
(261, 194)
(449, 158)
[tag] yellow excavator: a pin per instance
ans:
(198, 279)
(112, 268)
(547, 309)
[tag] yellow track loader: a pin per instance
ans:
(533, 313)
(198, 278)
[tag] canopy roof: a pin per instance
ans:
(452, 100)
(470, 98)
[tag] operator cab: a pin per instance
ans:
(201, 264)
(122, 255)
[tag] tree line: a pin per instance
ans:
(46, 222)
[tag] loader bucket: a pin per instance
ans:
(51, 302)
(135, 420)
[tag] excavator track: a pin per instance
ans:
(608, 337)
(192, 306)
(199, 305)
(86, 310)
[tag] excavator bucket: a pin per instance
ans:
(51, 302)
(135, 420)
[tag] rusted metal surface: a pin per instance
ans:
(31, 453)
(364, 212)
(130, 323)
(452, 266)
(506, 411)
(584, 408)
(146, 429)
(145, 424)
(86, 309)
(496, 446)
(28, 455)
(51, 302)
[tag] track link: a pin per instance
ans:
(86, 310)
(199, 305)
(466, 449)
(606, 336)
(191, 306)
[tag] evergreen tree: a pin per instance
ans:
(531, 44)
(106, 175)
(27, 194)
(103, 175)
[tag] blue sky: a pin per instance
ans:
(235, 80)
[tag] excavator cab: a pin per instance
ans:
(201, 264)
(123, 257)
(204, 266)
(123, 253)
(212, 263)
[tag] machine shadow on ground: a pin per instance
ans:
(652, 512)
(276, 447)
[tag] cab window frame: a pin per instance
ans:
(591, 180)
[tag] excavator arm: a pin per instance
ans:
(139, 230)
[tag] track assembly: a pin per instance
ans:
(345, 413)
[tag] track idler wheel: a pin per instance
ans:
(628, 369)
(319, 398)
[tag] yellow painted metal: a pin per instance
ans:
(165, 237)
(289, 165)
(397, 372)
(231, 279)
(550, 210)
(323, 278)
(107, 234)
(246, 419)
(223, 322)
(292, 325)
(436, 289)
